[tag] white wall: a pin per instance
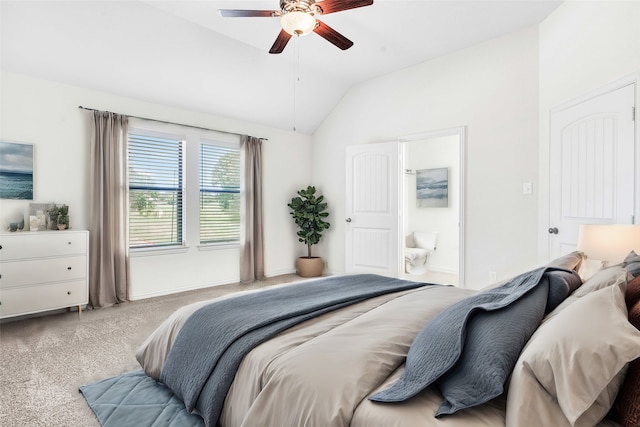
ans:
(502, 90)
(491, 88)
(440, 152)
(46, 114)
(584, 46)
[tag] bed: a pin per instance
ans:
(366, 358)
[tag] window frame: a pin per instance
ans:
(192, 137)
(180, 244)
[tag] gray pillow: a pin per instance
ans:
(561, 285)
(632, 263)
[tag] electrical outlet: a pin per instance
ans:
(527, 188)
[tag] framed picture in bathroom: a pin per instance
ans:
(432, 188)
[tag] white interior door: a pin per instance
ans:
(591, 166)
(372, 209)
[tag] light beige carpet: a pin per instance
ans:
(44, 360)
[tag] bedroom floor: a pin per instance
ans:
(44, 360)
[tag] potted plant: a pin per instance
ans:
(62, 217)
(309, 213)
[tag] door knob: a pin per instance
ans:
(348, 219)
(553, 230)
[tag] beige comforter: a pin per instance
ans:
(321, 372)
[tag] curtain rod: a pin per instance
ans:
(172, 123)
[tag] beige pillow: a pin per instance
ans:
(612, 276)
(589, 267)
(571, 369)
(570, 261)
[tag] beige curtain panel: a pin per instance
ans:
(109, 217)
(251, 240)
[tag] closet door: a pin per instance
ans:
(592, 178)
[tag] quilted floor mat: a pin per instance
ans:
(135, 400)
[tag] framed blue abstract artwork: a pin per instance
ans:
(16, 171)
(432, 188)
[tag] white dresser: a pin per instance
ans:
(44, 270)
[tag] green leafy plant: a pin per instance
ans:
(62, 215)
(309, 213)
(62, 210)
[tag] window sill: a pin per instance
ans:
(167, 250)
(218, 246)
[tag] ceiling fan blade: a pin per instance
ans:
(332, 6)
(281, 42)
(323, 30)
(235, 13)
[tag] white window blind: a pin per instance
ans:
(155, 190)
(219, 194)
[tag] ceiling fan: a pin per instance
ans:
(298, 19)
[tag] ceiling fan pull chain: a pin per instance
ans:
(296, 78)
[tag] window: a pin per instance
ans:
(184, 188)
(155, 190)
(219, 194)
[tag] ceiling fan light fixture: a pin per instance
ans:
(298, 23)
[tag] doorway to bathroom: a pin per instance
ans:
(433, 206)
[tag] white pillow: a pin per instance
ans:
(572, 367)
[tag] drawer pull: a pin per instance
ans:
(0, 246)
(68, 268)
(68, 292)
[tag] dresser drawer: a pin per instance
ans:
(32, 299)
(42, 244)
(35, 271)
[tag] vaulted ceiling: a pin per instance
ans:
(182, 53)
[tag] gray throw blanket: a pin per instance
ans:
(469, 349)
(212, 343)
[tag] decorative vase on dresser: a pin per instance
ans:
(42, 271)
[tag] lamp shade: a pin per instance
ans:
(609, 242)
(298, 23)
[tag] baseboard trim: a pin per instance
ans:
(165, 292)
(441, 269)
